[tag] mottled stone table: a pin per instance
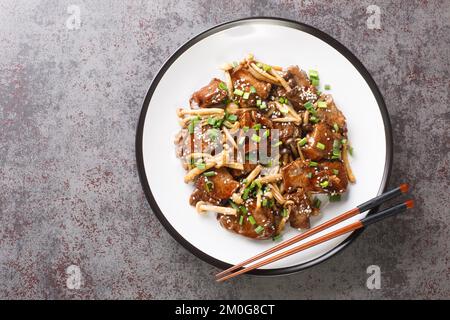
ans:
(70, 96)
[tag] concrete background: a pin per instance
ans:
(69, 190)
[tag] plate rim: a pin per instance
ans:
(227, 25)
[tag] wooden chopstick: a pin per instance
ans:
(341, 231)
(403, 188)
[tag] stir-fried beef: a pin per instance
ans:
(237, 136)
(326, 176)
(320, 142)
(209, 95)
(300, 210)
(214, 189)
(262, 217)
(244, 82)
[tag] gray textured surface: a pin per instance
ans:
(69, 190)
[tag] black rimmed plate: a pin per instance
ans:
(278, 42)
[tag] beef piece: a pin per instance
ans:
(300, 211)
(334, 172)
(301, 89)
(248, 167)
(209, 95)
(264, 217)
(299, 174)
(297, 77)
(331, 115)
(243, 80)
(214, 189)
(295, 175)
(251, 117)
(287, 130)
(323, 134)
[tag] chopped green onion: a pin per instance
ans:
(266, 133)
(213, 134)
(245, 128)
(315, 82)
(320, 146)
(252, 89)
(317, 203)
(282, 100)
(336, 156)
(210, 174)
(344, 141)
(256, 138)
(245, 194)
(308, 105)
(258, 103)
(334, 197)
(209, 185)
(243, 209)
(200, 165)
(266, 67)
(309, 175)
(319, 92)
(302, 142)
(241, 219)
(259, 65)
(284, 212)
(313, 74)
(235, 64)
(350, 150)
(322, 104)
(238, 92)
(241, 140)
(336, 149)
(313, 119)
(263, 105)
(313, 164)
(335, 127)
(212, 121)
(335, 171)
(223, 86)
(279, 143)
(246, 95)
(277, 237)
(259, 229)
(324, 184)
(264, 202)
(327, 87)
(251, 219)
(192, 124)
(233, 205)
(232, 117)
(257, 126)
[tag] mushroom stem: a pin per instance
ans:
(202, 207)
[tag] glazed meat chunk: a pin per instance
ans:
(244, 81)
(214, 189)
(209, 95)
(300, 210)
(327, 176)
(320, 142)
(331, 115)
(301, 89)
(263, 217)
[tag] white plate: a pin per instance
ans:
(278, 42)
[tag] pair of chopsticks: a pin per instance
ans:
(233, 271)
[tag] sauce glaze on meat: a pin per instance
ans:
(255, 195)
